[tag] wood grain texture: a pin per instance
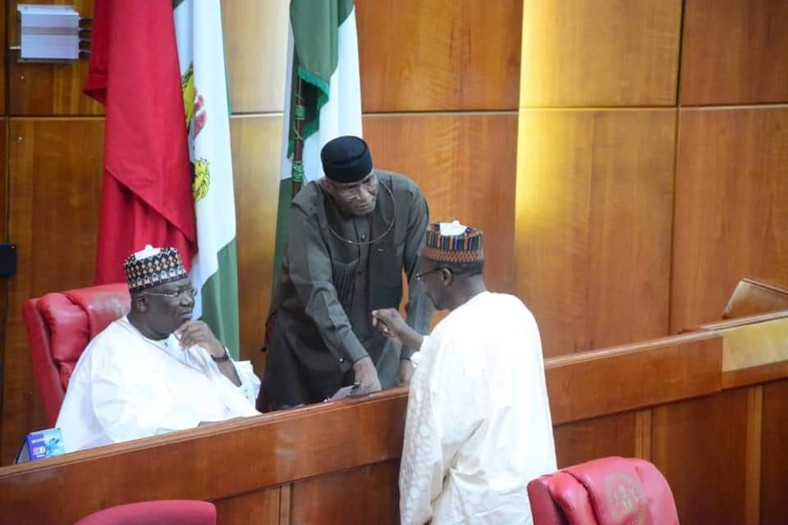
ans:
(256, 508)
(223, 461)
(350, 497)
(701, 448)
(593, 225)
(601, 53)
(255, 43)
(595, 438)
(465, 166)
(427, 55)
(731, 217)
(256, 144)
(679, 367)
(774, 456)
(48, 89)
(53, 221)
(733, 52)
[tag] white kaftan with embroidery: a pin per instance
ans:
(126, 386)
(478, 424)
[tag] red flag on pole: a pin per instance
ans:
(146, 196)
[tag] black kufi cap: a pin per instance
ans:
(346, 159)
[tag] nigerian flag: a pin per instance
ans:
(324, 94)
(198, 29)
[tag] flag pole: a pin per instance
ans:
(298, 119)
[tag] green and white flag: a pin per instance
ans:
(198, 29)
(323, 56)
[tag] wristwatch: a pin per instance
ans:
(222, 359)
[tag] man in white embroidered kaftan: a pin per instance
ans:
(478, 423)
(154, 370)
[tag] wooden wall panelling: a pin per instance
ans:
(774, 459)
(678, 367)
(367, 495)
(593, 224)
(733, 52)
(595, 438)
(731, 217)
(426, 55)
(701, 448)
(255, 42)
(256, 508)
(601, 53)
(55, 167)
(3, 79)
(48, 89)
(465, 165)
(256, 144)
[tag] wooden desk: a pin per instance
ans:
(713, 426)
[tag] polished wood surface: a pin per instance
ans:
(679, 367)
(732, 161)
(436, 55)
(443, 153)
(752, 296)
(255, 140)
(255, 43)
(700, 446)
(52, 220)
(774, 458)
(601, 53)
(593, 225)
(733, 52)
(339, 462)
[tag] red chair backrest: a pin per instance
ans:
(607, 491)
(59, 327)
(158, 512)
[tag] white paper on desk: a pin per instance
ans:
(342, 393)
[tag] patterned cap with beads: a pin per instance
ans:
(453, 243)
(152, 267)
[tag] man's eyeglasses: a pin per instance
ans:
(419, 276)
(176, 294)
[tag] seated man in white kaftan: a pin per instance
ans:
(154, 370)
(478, 425)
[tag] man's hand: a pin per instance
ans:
(197, 333)
(391, 324)
(367, 375)
(406, 370)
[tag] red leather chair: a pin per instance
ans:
(159, 512)
(59, 327)
(607, 491)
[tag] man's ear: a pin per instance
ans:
(326, 185)
(446, 276)
(140, 302)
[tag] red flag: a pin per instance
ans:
(146, 196)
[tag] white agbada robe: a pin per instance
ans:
(126, 386)
(478, 425)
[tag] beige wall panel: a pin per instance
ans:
(47, 89)
(700, 446)
(593, 225)
(256, 143)
(255, 43)
(600, 53)
(465, 166)
(734, 52)
(55, 171)
(774, 456)
(421, 55)
(596, 438)
(731, 207)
